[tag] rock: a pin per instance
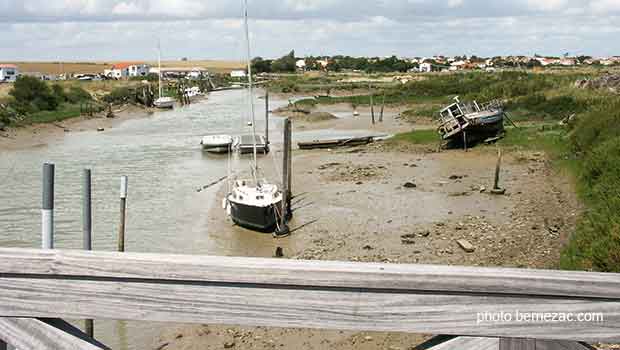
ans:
(456, 177)
(368, 247)
(410, 185)
(229, 345)
(359, 183)
(368, 338)
(162, 346)
(2, 126)
(425, 233)
(466, 246)
(100, 129)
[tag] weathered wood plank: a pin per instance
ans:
(422, 278)
(52, 334)
(300, 307)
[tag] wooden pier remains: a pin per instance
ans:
(446, 300)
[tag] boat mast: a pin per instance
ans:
(250, 91)
(159, 63)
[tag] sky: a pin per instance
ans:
(99, 30)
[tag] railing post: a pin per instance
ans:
(47, 208)
(121, 229)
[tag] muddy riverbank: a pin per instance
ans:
(38, 135)
(381, 203)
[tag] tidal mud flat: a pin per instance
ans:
(396, 203)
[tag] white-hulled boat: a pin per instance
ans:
(254, 203)
(162, 101)
(217, 143)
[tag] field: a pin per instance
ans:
(215, 66)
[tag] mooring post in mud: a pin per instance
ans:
(372, 104)
(266, 117)
(382, 108)
(87, 226)
(465, 140)
(121, 228)
(496, 189)
(47, 208)
(289, 187)
(285, 214)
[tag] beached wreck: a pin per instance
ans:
(464, 123)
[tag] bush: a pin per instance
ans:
(76, 95)
(31, 94)
(120, 95)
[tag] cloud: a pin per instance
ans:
(127, 29)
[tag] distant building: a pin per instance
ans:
(238, 74)
(127, 70)
(8, 72)
(301, 64)
(426, 67)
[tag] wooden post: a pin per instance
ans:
(3, 345)
(47, 209)
(382, 108)
(283, 229)
(266, 117)
(465, 140)
(87, 230)
(289, 188)
(496, 189)
(372, 104)
(121, 228)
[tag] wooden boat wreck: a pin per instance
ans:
(468, 123)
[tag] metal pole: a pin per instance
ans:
(285, 166)
(382, 108)
(266, 117)
(47, 211)
(87, 230)
(3, 345)
(121, 229)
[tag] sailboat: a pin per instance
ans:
(253, 203)
(163, 102)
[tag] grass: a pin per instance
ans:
(65, 111)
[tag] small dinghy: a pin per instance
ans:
(217, 143)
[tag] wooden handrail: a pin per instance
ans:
(315, 294)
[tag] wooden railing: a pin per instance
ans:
(309, 294)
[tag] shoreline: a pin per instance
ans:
(36, 135)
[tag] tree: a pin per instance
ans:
(259, 65)
(31, 95)
(285, 63)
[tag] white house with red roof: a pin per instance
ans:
(8, 72)
(125, 70)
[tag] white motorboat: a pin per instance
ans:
(217, 143)
(164, 102)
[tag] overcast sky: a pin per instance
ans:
(87, 30)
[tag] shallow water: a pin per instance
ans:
(165, 213)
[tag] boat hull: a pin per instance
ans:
(478, 129)
(261, 219)
(216, 149)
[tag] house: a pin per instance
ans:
(301, 64)
(127, 70)
(238, 74)
(426, 67)
(323, 63)
(8, 72)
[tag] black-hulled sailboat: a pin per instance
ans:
(253, 203)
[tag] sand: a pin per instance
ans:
(352, 204)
